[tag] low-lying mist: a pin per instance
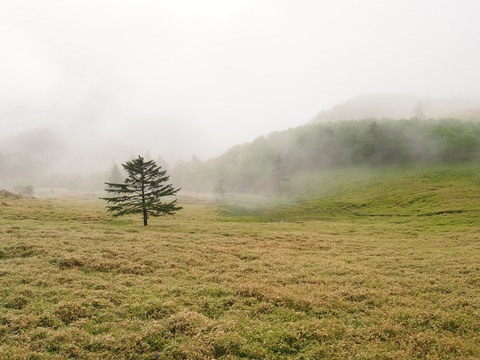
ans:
(41, 146)
(77, 150)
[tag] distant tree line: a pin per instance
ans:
(267, 162)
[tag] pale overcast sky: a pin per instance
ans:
(205, 75)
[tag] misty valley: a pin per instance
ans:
(336, 239)
(265, 164)
(235, 179)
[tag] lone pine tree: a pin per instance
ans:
(142, 191)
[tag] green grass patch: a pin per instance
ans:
(378, 192)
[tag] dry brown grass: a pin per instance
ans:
(76, 284)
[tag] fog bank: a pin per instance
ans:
(106, 80)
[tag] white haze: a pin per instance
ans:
(176, 78)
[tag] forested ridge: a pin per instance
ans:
(265, 163)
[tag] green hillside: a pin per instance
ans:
(366, 191)
(264, 165)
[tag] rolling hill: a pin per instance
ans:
(357, 192)
(401, 106)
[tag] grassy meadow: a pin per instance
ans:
(352, 263)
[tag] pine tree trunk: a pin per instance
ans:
(145, 220)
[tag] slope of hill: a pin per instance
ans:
(396, 192)
(401, 106)
(4, 194)
(265, 164)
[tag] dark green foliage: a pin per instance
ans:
(142, 191)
